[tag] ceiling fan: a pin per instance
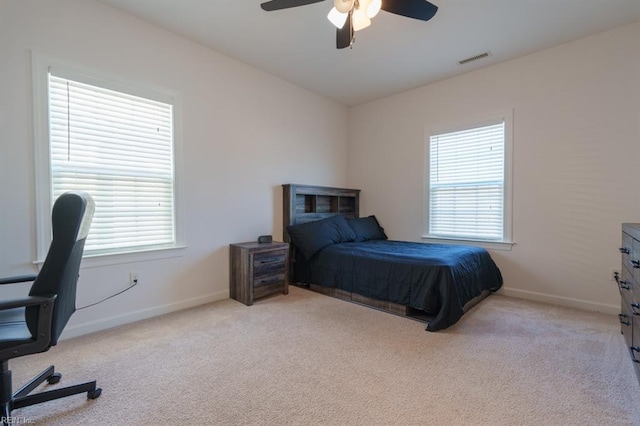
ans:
(350, 16)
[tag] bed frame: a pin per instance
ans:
(306, 203)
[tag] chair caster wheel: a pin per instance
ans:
(54, 378)
(94, 393)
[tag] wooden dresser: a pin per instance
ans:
(258, 269)
(629, 285)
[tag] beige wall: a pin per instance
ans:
(244, 134)
(576, 167)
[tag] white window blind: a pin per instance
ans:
(118, 148)
(467, 183)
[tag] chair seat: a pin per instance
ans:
(13, 328)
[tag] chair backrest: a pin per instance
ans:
(71, 219)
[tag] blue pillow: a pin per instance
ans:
(311, 237)
(367, 228)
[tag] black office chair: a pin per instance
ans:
(34, 323)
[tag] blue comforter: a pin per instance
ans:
(436, 278)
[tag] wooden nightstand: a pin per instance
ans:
(258, 269)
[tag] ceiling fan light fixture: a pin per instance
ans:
(337, 18)
(343, 6)
(373, 8)
(360, 19)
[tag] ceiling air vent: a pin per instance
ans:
(473, 58)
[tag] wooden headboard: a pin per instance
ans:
(306, 203)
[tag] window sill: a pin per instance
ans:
(99, 260)
(493, 245)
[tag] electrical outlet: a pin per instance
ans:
(613, 273)
(134, 278)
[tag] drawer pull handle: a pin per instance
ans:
(624, 285)
(635, 306)
(266, 262)
(270, 280)
(633, 356)
(635, 263)
(623, 320)
(624, 250)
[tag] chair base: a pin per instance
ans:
(21, 398)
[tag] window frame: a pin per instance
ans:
(506, 242)
(41, 65)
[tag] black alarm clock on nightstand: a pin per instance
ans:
(265, 239)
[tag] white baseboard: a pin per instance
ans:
(104, 324)
(585, 305)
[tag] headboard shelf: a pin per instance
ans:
(306, 203)
(347, 205)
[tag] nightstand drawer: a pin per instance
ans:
(269, 285)
(269, 263)
(269, 280)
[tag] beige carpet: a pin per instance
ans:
(306, 359)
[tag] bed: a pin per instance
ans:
(336, 252)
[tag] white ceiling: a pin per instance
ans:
(392, 55)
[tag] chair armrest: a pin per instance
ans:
(26, 301)
(41, 337)
(17, 279)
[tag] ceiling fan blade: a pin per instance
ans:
(285, 4)
(417, 9)
(344, 35)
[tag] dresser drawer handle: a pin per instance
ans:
(624, 285)
(266, 262)
(635, 263)
(624, 250)
(633, 356)
(623, 318)
(635, 306)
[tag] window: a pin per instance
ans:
(468, 183)
(117, 145)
